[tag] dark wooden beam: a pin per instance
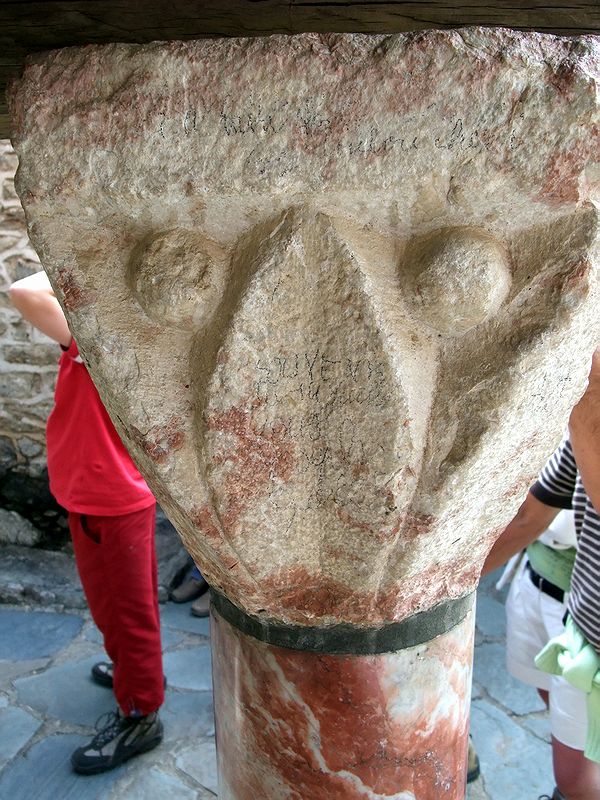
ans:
(29, 27)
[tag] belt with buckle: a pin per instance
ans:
(545, 586)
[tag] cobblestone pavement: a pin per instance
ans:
(47, 703)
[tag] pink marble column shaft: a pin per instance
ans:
(310, 726)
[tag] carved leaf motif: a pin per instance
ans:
(305, 424)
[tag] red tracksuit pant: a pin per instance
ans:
(116, 560)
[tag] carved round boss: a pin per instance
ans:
(456, 279)
(178, 277)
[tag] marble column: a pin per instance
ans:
(338, 293)
(340, 714)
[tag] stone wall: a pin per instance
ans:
(27, 370)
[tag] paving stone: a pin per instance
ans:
(514, 764)
(489, 671)
(475, 688)
(3, 701)
(152, 783)
(200, 761)
(16, 729)
(539, 725)
(189, 669)
(9, 670)
(67, 693)
(35, 634)
(491, 617)
(187, 716)
(487, 586)
(177, 615)
(44, 773)
(476, 791)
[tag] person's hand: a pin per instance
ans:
(588, 407)
(584, 429)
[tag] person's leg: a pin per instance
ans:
(190, 588)
(577, 778)
(90, 566)
(545, 695)
(117, 561)
(526, 632)
(132, 629)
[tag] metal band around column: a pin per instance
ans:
(344, 638)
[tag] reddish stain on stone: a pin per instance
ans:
(305, 598)
(337, 719)
(204, 521)
(161, 440)
(564, 169)
(564, 79)
(360, 468)
(296, 590)
(415, 524)
(74, 296)
(344, 516)
(260, 455)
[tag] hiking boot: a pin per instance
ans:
(190, 589)
(473, 768)
(118, 739)
(102, 673)
(201, 606)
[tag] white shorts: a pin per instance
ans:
(532, 619)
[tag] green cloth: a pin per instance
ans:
(573, 657)
(554, 565)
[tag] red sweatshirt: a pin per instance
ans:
(90, 470)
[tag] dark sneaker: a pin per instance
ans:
(201, 606)
(556, 795)
(118, 739)
(102, 673)
(473, 768)
(189, 590)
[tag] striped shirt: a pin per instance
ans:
(560, 485)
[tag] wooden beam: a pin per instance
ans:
(29, 27)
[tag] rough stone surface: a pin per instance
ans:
(337, 291)
(14, 529)
(25, 489)
(41, 577)
(23, 352)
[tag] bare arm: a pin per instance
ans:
(529, 522)
(584, 430)
(34, 299)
